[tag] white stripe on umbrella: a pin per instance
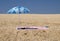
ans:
(18, 10)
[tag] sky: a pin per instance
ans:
(35, 6)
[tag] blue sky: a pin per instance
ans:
(36, 6)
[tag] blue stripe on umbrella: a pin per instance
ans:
(18, 10)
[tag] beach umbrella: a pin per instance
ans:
(18, 10)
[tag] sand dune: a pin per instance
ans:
(9, 23)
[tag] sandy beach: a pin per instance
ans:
(9, 23)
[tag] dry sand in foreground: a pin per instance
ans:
(9, 23)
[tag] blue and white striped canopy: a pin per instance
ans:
(18, 10)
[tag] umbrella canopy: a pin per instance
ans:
(18, 10)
